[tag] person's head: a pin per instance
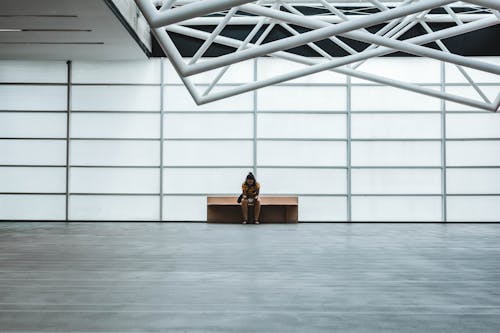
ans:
(250, 180)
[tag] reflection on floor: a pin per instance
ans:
(194, 277)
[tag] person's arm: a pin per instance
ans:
(243, 192)
(257, 191)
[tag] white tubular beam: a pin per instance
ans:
(312, 36)
(494, 4)
(252, 20)
(330, 65)
(199, 8)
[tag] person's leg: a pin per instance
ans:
(257, 210)
(244, 209)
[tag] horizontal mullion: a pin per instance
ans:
(28, 138)
(115, 112)
(396, 139)
(302, 111)
(473, 194)
(473, 166)
(301, 167)
(33, 111)
(207, 112)
(31, 166)
(396, 195)
(32, 193)
(473, 139)
(113, 139)
(166, 166)
(116, 166)
(208, 139)
(100, 84)
(118, 194)
(301, 139)
(33, 83)
(395, 167)
(262, 194)
(395, 112)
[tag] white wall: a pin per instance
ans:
(349, 150)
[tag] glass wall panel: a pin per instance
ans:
(300, 98)
(204, 181)
(400, 126)
(32, 152)
(32, 179)
(391, 209)
(473, 181)
(115, 153)
(208, 126)
(185, 208)
(32, 207)
(301, 126)
(476, 208)
(93, 125)
(104, 207)
(462, 126)
(473, 153)
(116, 98)
(396, 181)
(21, 71)
(41, 98)
(32, 125)
(322, 209)
(396, 153)
(302, 181)
(382, 98)
(301, 153)
(114, 180)
(139, 72)
(208, 153)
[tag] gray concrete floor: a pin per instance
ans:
(148, 277)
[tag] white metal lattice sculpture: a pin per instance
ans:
(398, 17)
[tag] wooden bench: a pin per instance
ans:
(272, 210)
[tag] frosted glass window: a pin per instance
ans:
(272, 125)
(301, 153)
(379, 126)
(208, 126)
(453, 75)
(38, 180)
(109, 180)
(469, 209)
(185, 208)
(32, 207)
(322, 209)
(383, 98)
(476, 181)
(408, 69)
(99, 207)
(480, 153)
(204, 181)
(143, 72)
(225, 153)
(302, 181)
(467, 91)
(33, 71)
(33, 152)
(396, 181)
(116, 98)
(396, 153)
(387, 209)
(271, 67)
(241, 72)
(115, 125)
(473, 125)
(177, 98)
(106, 153)
(35, 98)
(32, 125)
(288, 98)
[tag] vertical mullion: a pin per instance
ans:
(443, 146)
(162, 81)
(68, 134)
(348, 150)
(255, 119)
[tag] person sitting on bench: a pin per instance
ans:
(250, 196)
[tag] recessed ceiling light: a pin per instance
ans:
(10, 30)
